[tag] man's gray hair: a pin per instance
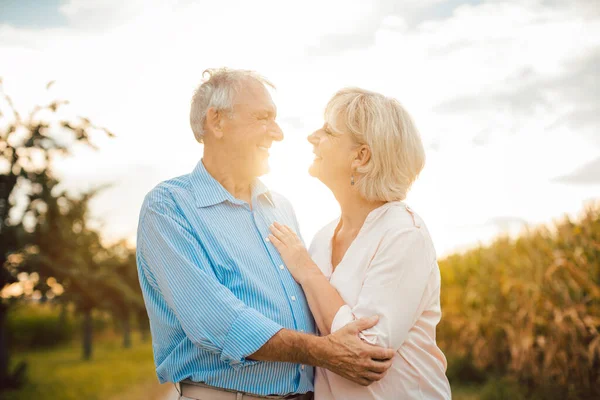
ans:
(218, 90)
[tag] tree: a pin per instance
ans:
(63, 247)
(28, 148)
(93, 276)
(123, 288)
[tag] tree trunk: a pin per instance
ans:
(126, 330)
(143, 325)
(8, 243)
(62, 316)
(144, 334)
(87, 333)
(4, 375)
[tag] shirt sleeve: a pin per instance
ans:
(211, 316)
(393, 288)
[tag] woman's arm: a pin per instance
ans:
(323, 299)
(393, 286)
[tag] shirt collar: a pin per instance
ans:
(374, 214)
(208, 191)
(260, 190)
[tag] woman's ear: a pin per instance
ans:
(363, 155)
(214, 122)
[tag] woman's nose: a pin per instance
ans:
(312, 138)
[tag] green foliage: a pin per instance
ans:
(502, 389)
(462, 370)
(466, 392)
(29, 147)
(32, 327)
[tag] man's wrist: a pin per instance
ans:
(315, 350)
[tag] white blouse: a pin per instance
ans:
(391, 270)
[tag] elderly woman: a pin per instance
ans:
(377, 258)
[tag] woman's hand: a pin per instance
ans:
(293, 253)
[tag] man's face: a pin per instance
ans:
(251, 129)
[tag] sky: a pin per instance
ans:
(505, 95)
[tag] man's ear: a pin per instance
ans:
(363, 155)
(214, 122)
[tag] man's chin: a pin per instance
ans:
(262, 170)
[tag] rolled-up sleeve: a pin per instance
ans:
(211, 316)
(393, 288)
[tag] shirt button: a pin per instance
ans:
(301, 330)
(293, 298)
(281, 266)
(267, 239)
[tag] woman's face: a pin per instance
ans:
(334, 153)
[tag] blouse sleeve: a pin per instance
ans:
(393, 288)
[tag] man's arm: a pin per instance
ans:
(177, 267)
(342, 352)
(214, 319)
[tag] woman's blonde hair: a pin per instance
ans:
(397, 153)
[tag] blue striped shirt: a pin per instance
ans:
(215, 289)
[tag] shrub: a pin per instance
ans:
(529, 307)
(502, 389)
(38, 326)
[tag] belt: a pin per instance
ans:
(201, 391)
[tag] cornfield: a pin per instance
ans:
(529, 307)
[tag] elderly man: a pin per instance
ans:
(228, 320)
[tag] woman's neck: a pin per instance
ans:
(355, 209)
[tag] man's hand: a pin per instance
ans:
(345, 354)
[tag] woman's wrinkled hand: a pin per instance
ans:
(293, 253)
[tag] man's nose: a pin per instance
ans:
(276, 132)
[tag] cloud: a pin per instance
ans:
(94, 15)
(370, 17)
(586, 8)
(133, 69)
(387, 15)
(507, 224)
(580, 87)
(587, 174)
(568, 99)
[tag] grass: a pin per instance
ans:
(113, 372)
(465, 392)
